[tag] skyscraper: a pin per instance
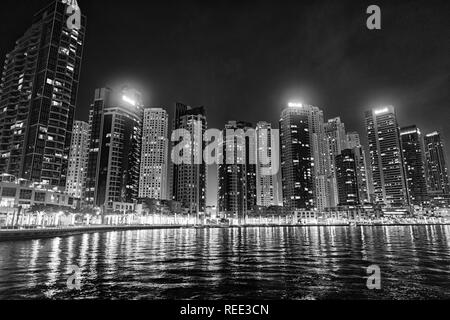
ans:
(353, 140)
(337, 142)
(347, 178)
(336, 135)
(363, 175)
(292, 121)
(414, 165)
(437, 169)
(116, 178)
(386, 157)
(39, 88)
(296, 159)
(363, 170)
(189, 179)
(78, 160)
(102, 99)
(155, 149)
(237, 175)
(267, 186)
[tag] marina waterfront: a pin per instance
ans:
(318, 262)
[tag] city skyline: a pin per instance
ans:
(294, 150)
(305, 87)
(324, 183)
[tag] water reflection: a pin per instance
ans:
(266, 263)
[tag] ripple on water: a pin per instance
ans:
(255, 263)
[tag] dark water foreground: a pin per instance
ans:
(253, 263)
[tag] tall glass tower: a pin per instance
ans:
(39, 88)
(237, 175)
(78, 160)
(305, 157)
(267, 185)
(189, 179)
(438, 179)
(154, 156)
(386, 157)
(102, 99)
(414, 165)
(336, 142)
(296, 159)
(115, 152)
(347, 178)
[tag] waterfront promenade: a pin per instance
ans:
(27, 234)
(42, 233)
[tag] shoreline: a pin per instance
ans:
(35, 234)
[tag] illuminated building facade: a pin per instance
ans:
(307, 157)
(102, 99)
(296, 159)
(237, 175)
(347, 178)
(78, 160)
(39, 88)
(386, 157)
(336, 142)
(363, 175)
(189, 180)
(267, 186)
(414, 165)
(437, 169)
(155, 148)
(20, 193)
(362, 167)
(119, 135)
(353, 140)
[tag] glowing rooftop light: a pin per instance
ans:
(405, 133)
(381, 111)
(129, 100)
(295, 105)
(432, 134)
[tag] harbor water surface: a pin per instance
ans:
(292, 263)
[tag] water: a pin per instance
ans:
(254, 263)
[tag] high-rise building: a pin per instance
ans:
(118, 128)
(320, 157)
(347, 178)
(237, 174)
(362, 167)
(353, 140)
(296, 159)
(102, 99)
(414, 165)
(39, 88)
(336, 142)
(437, 169)
(335, 132)
(78, 160)
(296, 115)
(363, 175)
(189, 179)
(386, 157)
(268, 191)
(154, 159)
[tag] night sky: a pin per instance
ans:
(244, 60)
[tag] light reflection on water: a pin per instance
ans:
(263, 263)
